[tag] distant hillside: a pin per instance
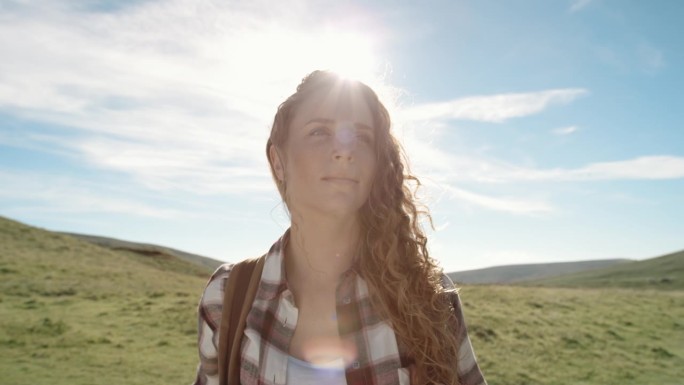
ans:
(665, 272)
(519, 273)
(147, 249)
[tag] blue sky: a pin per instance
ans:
(542, 130)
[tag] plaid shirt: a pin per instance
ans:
(272, 320)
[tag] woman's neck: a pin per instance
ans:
(318, 252)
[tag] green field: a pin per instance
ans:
(577, 336)
(75, 313)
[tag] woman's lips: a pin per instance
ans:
(339, 179)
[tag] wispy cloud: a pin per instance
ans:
(644, 167)
(176, 94)
(578, 5)
(491, 108)
(641, 57)
(650, 58)
(455, 165)
(444, 174)
(202, 170)
(659, 167)
(565, 130)
(45, 192)
(512, 205)
(451, 173)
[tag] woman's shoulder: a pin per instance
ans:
(451, 292)
(448, 284)
(216, 282)
(211, 302)
(218, 277)
(221, 272)
(213, 291)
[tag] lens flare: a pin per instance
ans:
(329, 352)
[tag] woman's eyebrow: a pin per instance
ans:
(319, 120)
(358, 125)
(361, 126)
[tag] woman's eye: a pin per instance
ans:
(319, 131)
(365, 138)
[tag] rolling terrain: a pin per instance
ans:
(525, 272)
(73, 312)
(148, 249)
(663, 273)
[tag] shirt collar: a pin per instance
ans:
(273, 279)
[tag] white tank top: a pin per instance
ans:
(305, 373)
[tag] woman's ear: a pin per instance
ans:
(276, 163)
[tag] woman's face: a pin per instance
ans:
(328, 160)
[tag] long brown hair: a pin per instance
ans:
(404, 281)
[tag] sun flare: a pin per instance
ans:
(285, 53)
(348, 54)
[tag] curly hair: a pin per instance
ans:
(404, 281)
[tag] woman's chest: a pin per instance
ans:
(316, 336)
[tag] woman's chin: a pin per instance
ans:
(340, 209)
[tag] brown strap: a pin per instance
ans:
(238, 295)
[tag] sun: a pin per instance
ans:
(261, 65)
(346, 53)
(291, 52)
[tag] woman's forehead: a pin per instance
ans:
(350, 106)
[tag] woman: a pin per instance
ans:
(349, 294)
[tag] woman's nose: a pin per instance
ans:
(344, 141)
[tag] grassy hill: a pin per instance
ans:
(75, 313)
(663, 273)
(148, 249)
(72, 312)
(525, 272)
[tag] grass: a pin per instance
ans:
(75, 313)
(525, 335)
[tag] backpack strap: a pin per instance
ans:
(238, 294)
